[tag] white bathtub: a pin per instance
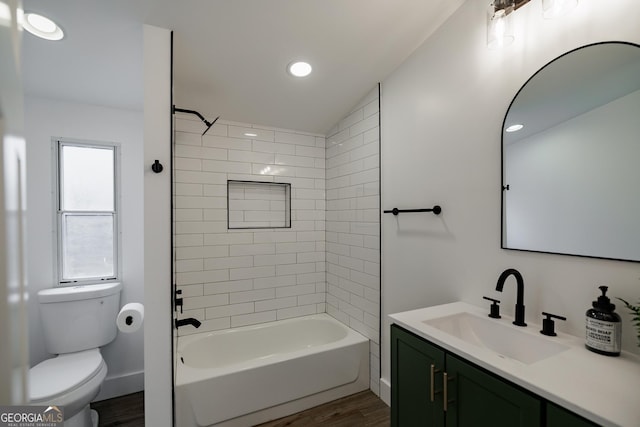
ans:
(245, 376)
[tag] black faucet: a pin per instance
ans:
(520, 296)
(188, 321)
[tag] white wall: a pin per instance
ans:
(45, 119)
(157, 228)
(353, 224)
(240, 277)
(442, 112)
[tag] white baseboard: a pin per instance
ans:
(121, 385)
(385, 391)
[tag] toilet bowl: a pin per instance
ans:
(70, 381)
(78, 321)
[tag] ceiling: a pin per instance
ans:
(230, 55)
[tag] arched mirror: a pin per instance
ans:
(571, 172)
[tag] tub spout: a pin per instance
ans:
(188, 321)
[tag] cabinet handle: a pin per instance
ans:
(433, 392)
(445, 388)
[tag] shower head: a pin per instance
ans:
(209, 124)
(200, 116)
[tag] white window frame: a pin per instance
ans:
(59, 214)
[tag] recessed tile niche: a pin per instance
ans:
(255, 204)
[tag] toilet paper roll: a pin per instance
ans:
(130, 317)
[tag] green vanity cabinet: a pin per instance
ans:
(560, 417)
(474, 397)
(414, 365)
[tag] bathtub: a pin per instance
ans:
(253, 374)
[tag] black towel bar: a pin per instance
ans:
(436, 210)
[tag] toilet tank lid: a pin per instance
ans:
(75, 293)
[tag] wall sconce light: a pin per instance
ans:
(499, 26)
(554, 8)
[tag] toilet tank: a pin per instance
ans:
(77, 318)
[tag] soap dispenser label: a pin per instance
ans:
(604, 336)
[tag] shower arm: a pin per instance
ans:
(200, 116)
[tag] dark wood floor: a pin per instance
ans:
(361, 409)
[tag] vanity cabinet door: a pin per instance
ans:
(477, 398)
(559, 417)
(411, 379)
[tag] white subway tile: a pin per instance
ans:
(228, 262)
(254, 295)
(260, 260)
(191, 290)
(200, 227)
(253, 318)
(212, 190)
(372, 268)
(187, 138)
(272, 170)
(286, 269)
(228, 286)
(288, 160)
(261, 134)
(225, 142)
(274, 282)
(295, 138)
(310, 257)
(351, 263)
(366, 254)
(272, 147)
(228, 238)
(275, 304)
(366, 124)
(214, 214)
(183, 189)
(254, 249)
(187, 215)
(283, 248)
(193, 277)
(185, 265)
(252, 272)
(189, 252)
(229, 310)
(306, 278)
(288, 291)
(251, 157)
(225, 166)
(205, 301)
(274, 237)
(351, 119)
(188, 125)
(318, 152)
(371, 108)
(192, 177)
(365, 305)
(365, 279)
(304, 310)
(187, 151)
(311, 299)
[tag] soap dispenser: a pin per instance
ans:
(604, 328)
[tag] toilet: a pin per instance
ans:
(77, 321)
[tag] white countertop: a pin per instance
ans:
(603, 389)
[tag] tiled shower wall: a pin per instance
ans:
(240, 277)
(234, 278)
(353, 224)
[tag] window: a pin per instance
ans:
(87, 212)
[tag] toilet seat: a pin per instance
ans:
(60, 375)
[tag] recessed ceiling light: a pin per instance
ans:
(42, 27)
(250, 134)
(299, 69)
(514, 128)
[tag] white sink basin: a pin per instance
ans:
(504, 339)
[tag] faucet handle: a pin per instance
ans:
(548, 325)
(495, 308)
